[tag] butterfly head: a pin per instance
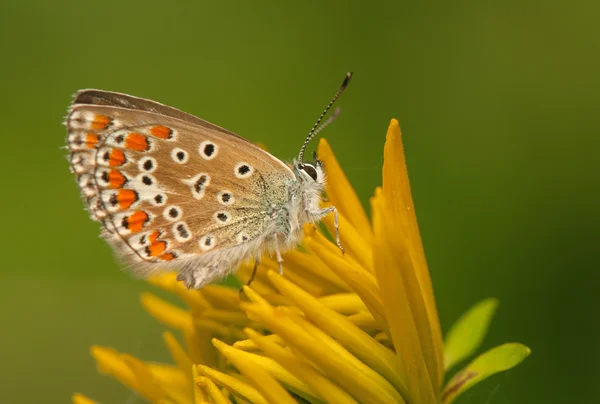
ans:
(311, 174)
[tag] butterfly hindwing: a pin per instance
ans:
(168, 187)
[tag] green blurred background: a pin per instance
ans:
(498, 101)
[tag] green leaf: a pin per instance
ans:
(466, 335)
(495, 360)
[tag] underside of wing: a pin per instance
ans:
(167, 186)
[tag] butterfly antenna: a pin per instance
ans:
(334, 115)
(316, 129)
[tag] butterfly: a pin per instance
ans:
(174, 191)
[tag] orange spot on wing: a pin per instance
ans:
(153, 236)
(157, 248)
(116, 179)
(91, 140)
(167, 257)
(137, 141)
(100, 122)
(126, 197)
(116, 158)
(136, 221)
(161, 131)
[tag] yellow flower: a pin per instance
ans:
(360, 327)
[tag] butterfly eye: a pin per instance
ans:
(310, 170)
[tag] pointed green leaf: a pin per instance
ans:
(495, 360)
(466, 335)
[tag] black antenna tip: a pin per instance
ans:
(346, 80)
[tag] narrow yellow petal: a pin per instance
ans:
(212, 391)
(111, 363)
(396, 189)
(352, 241)
(168, 281)
(145, 382)
(384, 340)
(378, 358)
(328, 391)
(304, 263)
(79, 398)
(175, 384)
(199, 347)
(312, 284)
(360, 381)
(337, 349)
(361, 281)
(280, 373)
(250, 345)
(366, 322)
(260, 282)
(216, 328)
(341, 194)
(200, 394)
(221, 296)
(166, 313)
(390, 266)
(344, 303)
(266, 384)
(180, 357)
(232, 384)
(255, 297)
(236, 318)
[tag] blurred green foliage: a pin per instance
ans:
(498, 102)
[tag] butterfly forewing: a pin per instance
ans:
(168, 186)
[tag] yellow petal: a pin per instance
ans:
(166, 313)
(390, 266)
(361, 281)
(221, 296)
(172, 381)
(341, 194)
(212, 327)
(280, 373)
(351, 239)
(396, 189)
(200, 394)
(303, 263)
(212, 391)
(232, 384)
(111, 363)
(378, 358)
(366, 322)
(168, 281)
(260, 284)
(250, 345)
(313, 284)
(79, 398)
(342, 367)
(235, 318)
(178, 354)
(344, 303)
(266, 384)
(328, 391)
(145, 382)
(199, 347)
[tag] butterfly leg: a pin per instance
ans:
(278, 255)
(336, 224)
(253, 274)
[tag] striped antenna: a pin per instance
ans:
(313, 132)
